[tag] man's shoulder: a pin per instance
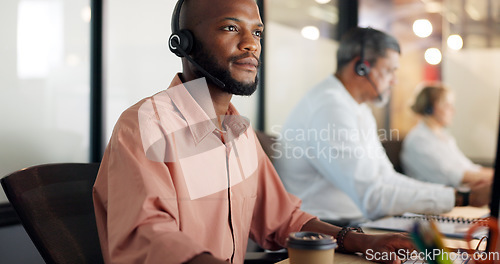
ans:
(329, 84)
(149, 108)
(328, 93)
(416, 135)
(152, 105)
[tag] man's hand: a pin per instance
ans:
(385, 248)
(478, 179)
(480, 196)
(377, 248)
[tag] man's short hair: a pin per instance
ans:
(375, 45)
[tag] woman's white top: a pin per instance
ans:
(429, 157)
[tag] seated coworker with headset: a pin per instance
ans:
(343, 174)
(430, 153)
(184, 178)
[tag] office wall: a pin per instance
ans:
(137, 62)
(44, 96)
(44, 83)
(293, 66)
(473, 75)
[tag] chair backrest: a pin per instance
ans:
(392, 149)
(266, 141)
(54, 204)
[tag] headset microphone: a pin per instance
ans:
(181, 42)
(362, 68)
(379, 96)
(207, 74)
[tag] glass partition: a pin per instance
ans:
(44, 83)
(472, 73)
(300, 52)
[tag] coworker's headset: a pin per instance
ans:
(362, 66)
(181, 43)
(429, 107)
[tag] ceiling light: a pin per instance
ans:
(422, 28)
(433, 56)
(323, 1)
(455, 42)
(86, 14)
(310, 32)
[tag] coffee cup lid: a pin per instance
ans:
(311, 240)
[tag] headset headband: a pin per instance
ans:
(176, 16)
(362, 52)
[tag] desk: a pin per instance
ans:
(452, 243)
(340, 258)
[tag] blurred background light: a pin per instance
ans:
(310, 32)
(433, 56)
(86, 14)
(422, 28)
(455, 42)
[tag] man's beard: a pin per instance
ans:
(209, 63)
(383, 99)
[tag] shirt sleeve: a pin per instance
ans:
(466, 162)
(276, 213)
(136, 208)
(356, 164)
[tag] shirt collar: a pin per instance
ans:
(234, 123)
(354, 104)
(197, 119)
(423, 126)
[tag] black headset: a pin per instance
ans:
(181, 43)
(362, 67)
(429, 107)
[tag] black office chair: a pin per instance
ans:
(266, 141)
(392, 149)
(54, 204)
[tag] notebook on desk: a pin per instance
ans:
(448, 225)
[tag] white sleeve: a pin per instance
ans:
(467, 163)
(377, 190)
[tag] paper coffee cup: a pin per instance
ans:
(311, 248)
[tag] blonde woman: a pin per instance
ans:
(430, 153)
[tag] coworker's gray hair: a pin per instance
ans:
(376, 44)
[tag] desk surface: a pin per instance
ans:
(340, 258)
(451, 243)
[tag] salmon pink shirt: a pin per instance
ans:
(172, 185)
